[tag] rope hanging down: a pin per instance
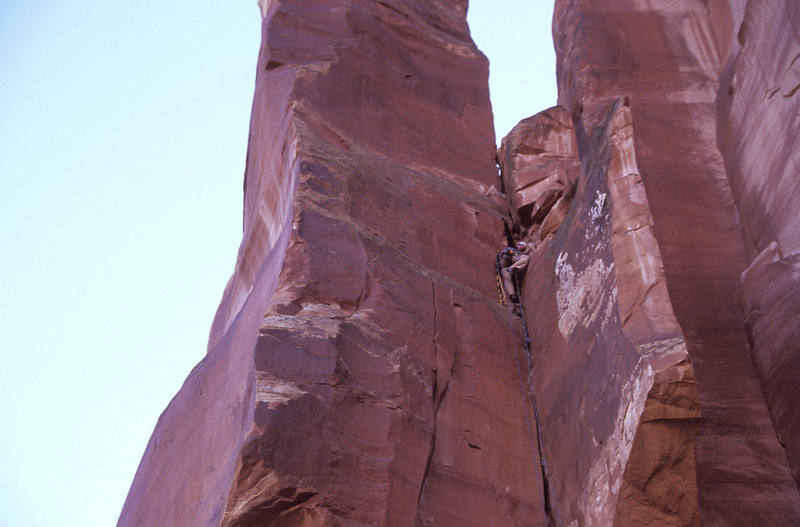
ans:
(518, 309)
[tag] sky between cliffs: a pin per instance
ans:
(123, 129)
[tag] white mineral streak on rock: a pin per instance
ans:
(596, 212)
(274, 391)
(664, 348)
(599, 498)
(597, 208)
(581, 296)
(612, 300)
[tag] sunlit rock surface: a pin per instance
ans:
(673, 63)
(614, 388)
(362, 368)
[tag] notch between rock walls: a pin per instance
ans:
(529, 393)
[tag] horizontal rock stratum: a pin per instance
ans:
(363, 368)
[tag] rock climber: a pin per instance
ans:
(521, 260)
(511, 261)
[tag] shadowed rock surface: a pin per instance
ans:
(361, 370)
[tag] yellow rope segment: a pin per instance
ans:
(501, 292)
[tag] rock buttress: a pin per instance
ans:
(638, 269)
(360, 370)
(615, 390)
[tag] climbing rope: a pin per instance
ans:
(501, 292)
(543, 464)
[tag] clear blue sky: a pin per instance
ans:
(123, 129)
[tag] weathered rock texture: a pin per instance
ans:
(614, 387)
(714, 178)
(758, 116)
(361, 370)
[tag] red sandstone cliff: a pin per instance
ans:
(360, 369)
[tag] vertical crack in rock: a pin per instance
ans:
(436, 401)
(435, 395)
(531, 394)
(426, 472)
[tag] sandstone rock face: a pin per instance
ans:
(540, 161)
(671, 60)
(758, 115)
(361, 370)
(613, 384)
